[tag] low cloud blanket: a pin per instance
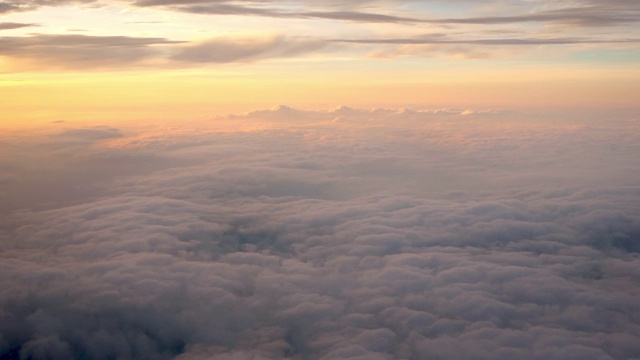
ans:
(342, 234)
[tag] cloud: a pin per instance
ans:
(587, 14)
(439, 40)
(90, 133)
(340, 234)
(471, 48)
(80, 51)
(251, 2)
(354, 16)
(223, 50)
(175, 2)
(11, 25)
(451, 36)
(108, 52)
(583, 16)
(7, 6)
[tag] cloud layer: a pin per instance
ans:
(345, 234)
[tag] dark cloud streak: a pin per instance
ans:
(11, 25)
(580, 16)
(506, 42)
(587, 13)
(354, 16)
(583, 16)
(232, 50)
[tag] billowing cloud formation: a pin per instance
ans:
(345, 234)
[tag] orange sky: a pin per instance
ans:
(166, 60)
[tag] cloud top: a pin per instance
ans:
(340, 234)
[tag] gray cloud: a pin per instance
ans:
(438, 40)
(223, 50)
(27, 5)
(256, 2)
(6, 7)
(338, 234)
(583, 16)
(586, 14)
(80, 51)
(177, 2)
(355, 16)
(90, 133)
(11, 25)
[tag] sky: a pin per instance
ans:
(150, 60)
(319, 180)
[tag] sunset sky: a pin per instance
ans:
(161, 59)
